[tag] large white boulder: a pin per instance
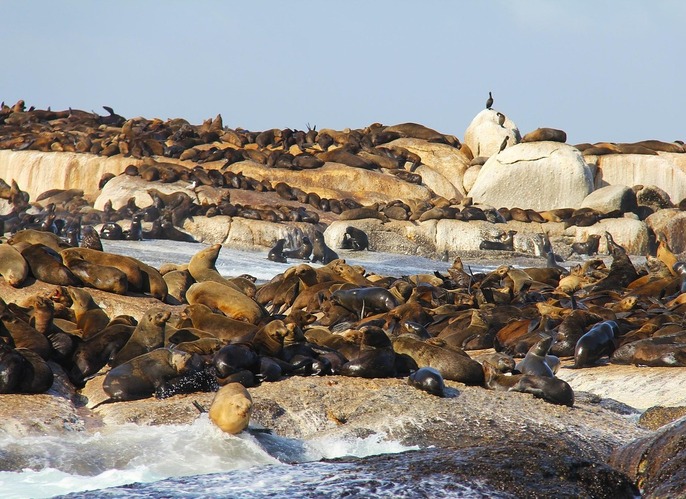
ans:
(536, 175)
(484, 135)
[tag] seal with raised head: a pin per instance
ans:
(90, 318)
(589, 247)
(276, 252)
(148, 335)
(597, 342)
(302, 252)
(320, 251)
(535, 360)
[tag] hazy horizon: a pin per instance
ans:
(601, 71)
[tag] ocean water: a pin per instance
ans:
(199, 460)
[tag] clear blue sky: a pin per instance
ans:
(600, 70)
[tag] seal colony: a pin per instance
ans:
(210, 331)
(337, 319)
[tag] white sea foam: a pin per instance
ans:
(122, 454)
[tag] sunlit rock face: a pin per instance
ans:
(447, 163)
(665, 170)
(536, 175)
(37, 171)
(484, 135)
(334, 180)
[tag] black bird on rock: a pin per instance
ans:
(489, 102)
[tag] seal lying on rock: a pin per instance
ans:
(553, 390)
(150, 374)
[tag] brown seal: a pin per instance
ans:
(149, 374)
(320, 251)
(232, 302)
(545, 134)
(202, 265)
(453, 364)
(128, 265)
(276, 252)
(46, 265)
(553, 390)
(231, 408)
(219, 325)
(589, 247)
(13, 266)
(98, 276)
(178, 282)
(148, 335)
(506, 244)
(90, 318)
(597, 342)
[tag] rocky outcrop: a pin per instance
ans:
(445, 160)
(484, 135)
(119, 189)
(37, 171)
(334, 180)
(672, 224)
(656, 463)
(629, 233)
(665, 169)
(610, 198)
(537, 175)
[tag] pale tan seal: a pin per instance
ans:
(231, 408)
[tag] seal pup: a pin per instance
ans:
(489, 101)
(429, 380)
(276, 253)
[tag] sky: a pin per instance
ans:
(599, 70)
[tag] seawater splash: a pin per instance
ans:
(45, 466)
(57, 464)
